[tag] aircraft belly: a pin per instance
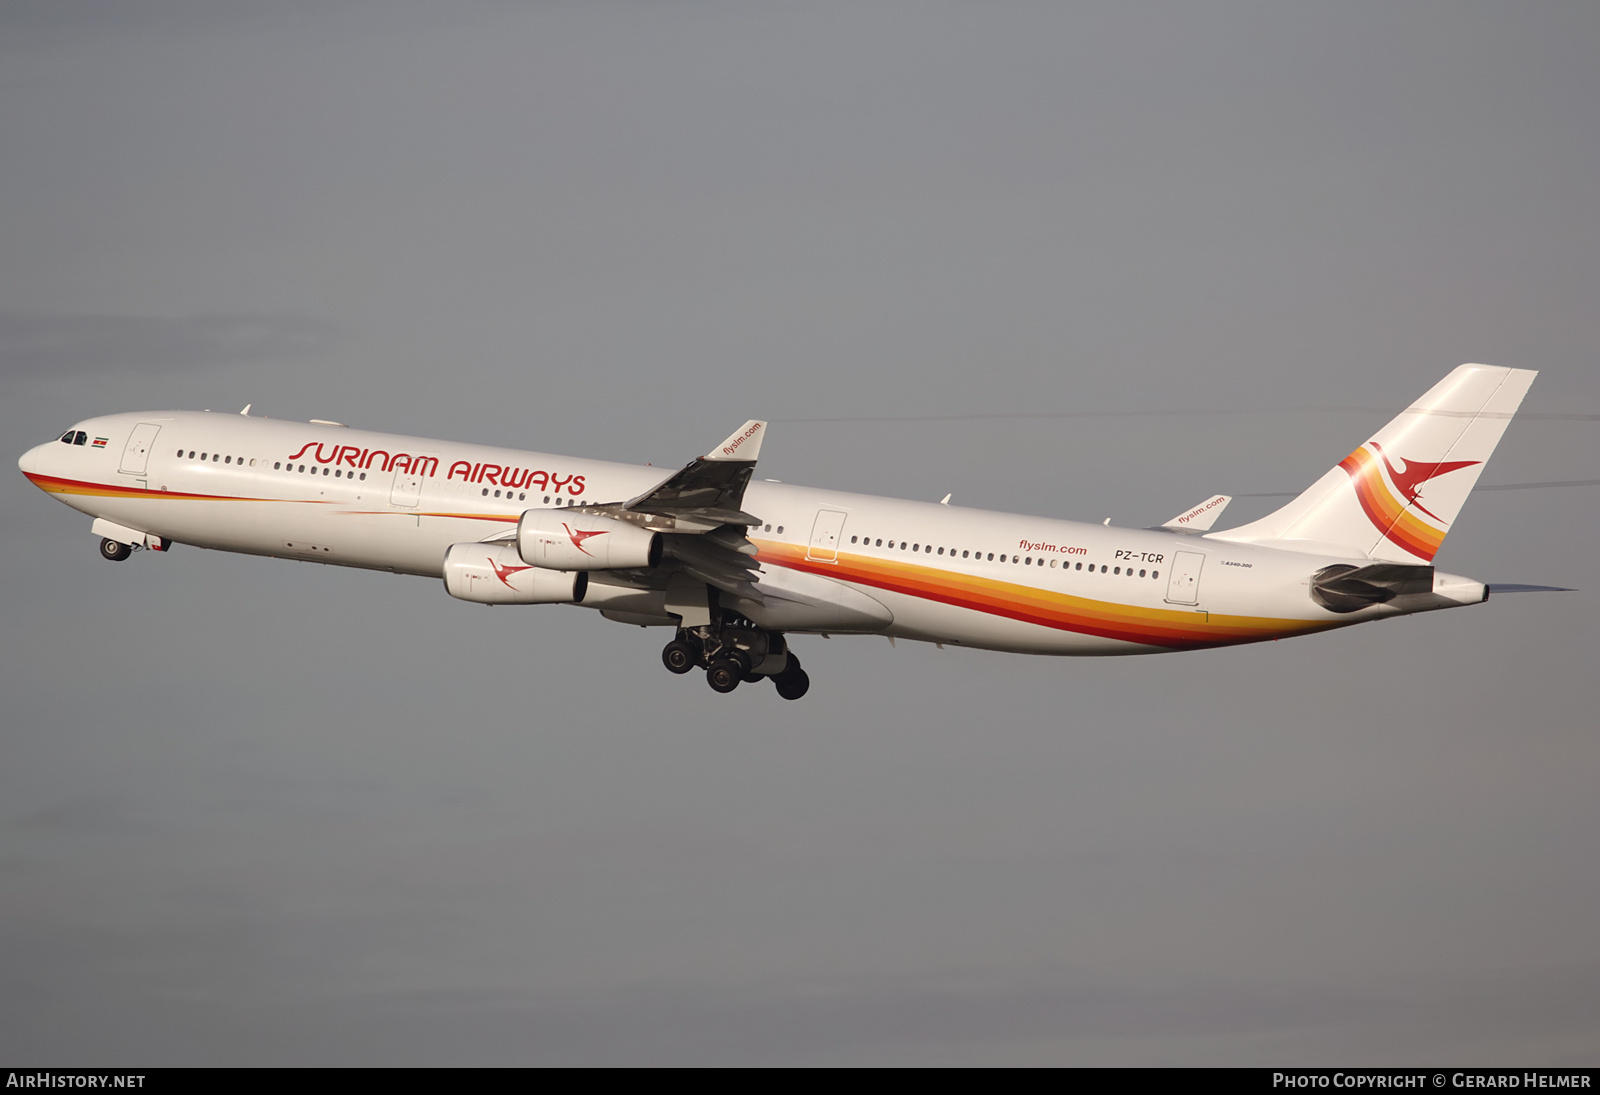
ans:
(327, 533)
(927, 621)
(793, 600)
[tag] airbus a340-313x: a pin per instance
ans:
(737, 566)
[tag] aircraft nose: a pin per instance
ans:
(29, 461)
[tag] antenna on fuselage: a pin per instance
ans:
(247, 407)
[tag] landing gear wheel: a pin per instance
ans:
(724, 675)
(113, 550)
(792, 683)
(679, 657)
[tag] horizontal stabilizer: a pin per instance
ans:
(1201, 517)
(1517, 587)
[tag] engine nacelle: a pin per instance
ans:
(568, 539)
(494, 574)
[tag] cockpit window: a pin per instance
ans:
(80, 438)
(66, 438)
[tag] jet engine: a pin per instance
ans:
(494, 574)
(568, 539)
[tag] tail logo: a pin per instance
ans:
(1389, 511)
(578, 538)
(1416, 473)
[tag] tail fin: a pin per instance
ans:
(1373, 503)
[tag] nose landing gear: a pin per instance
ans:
(114, 551)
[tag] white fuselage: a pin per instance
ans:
(916, 570)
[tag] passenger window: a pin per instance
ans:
(1155, 574)
(780, 530)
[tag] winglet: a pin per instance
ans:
(1201, 517)
(743, 444)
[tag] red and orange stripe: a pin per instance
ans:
(1173, 628)
(1170, 628)
(52, 485)
(1388, 512)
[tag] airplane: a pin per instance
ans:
(736, 565)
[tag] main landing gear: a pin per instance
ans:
(737, 652)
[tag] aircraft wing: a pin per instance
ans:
(708, 492)
(702, 504)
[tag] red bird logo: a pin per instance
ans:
(1416, 473)
(579, 537)
(504, 572)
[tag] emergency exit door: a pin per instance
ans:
(1183, 586)
(825, 533)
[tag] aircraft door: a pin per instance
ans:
(1183, 586)
(407, 490)
(137, 454)
(825, 535)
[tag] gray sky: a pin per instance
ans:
(266, 812)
